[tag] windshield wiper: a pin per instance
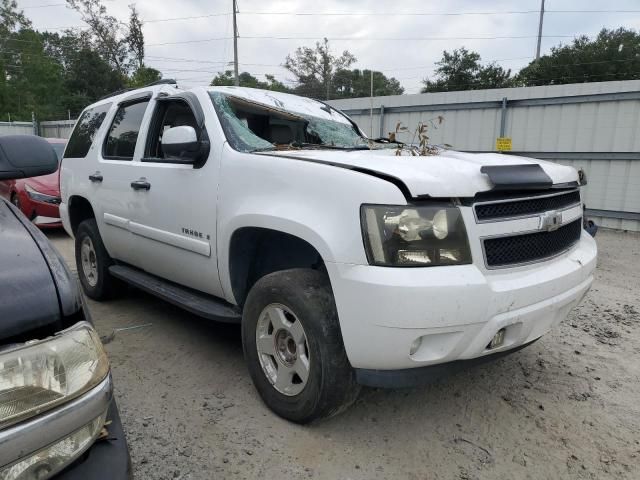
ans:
(308, 146)
(327, 146)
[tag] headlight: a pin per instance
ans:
(37, 376)
(40, 197)
(405, 236)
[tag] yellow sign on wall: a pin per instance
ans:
(503, 144)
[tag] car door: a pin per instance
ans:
(114, 198)
(174, 218)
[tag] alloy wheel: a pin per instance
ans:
(283, 349)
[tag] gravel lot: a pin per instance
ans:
(566, 407)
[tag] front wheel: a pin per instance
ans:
(293, 346)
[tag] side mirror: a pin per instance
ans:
(181, 143)
(23, 156)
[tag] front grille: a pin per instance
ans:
(530, 206)
(530, 247)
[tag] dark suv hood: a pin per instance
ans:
(28, 295)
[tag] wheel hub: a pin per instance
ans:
(89, 262)
(286, 347)
(283, 349)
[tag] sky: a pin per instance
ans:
(401, 39)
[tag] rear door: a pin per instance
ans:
(174, 219)
(115, 199)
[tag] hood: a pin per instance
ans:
(29, 299)
(47, 184)
(448, 174)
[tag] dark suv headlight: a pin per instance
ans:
(414, 236)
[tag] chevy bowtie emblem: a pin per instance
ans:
(550, 221)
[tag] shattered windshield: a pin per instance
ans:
(251, 125)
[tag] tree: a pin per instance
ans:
(88, 78)
(315, 68)
(612, 55)
(119, 44)
(51, 74)
(34, 81)
(106, 33)
(247, 80)
(144, 76)
(11, 19)
(462, 70)
(135, 39)
(357, 83)
(87, 75)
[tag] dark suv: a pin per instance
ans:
(57, 412)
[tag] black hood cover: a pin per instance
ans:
(28, 296)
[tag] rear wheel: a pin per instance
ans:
(93, 262)
(293, 346)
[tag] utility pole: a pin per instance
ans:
(540, 30)
(236, 80)
(371, 109)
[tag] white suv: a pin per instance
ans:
(345, 264)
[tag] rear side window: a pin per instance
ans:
(86, 128)
(123, 133)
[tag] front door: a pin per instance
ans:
(174, 219)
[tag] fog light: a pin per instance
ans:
(497, 340)
(415, 345)
(54, 458)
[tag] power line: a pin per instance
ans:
(432, 14)
(47, 5)
(346, 14)
(385, 39)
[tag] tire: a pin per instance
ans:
(16, 201)
(96, 281)
(298, 298)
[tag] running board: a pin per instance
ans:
(201, 304)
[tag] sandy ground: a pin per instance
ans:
(566, 407)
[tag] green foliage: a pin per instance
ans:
(357, 83)
(34, 81)
(612, 55)
(315, 69)
(143, 76)
(58, 74)
(462, 70)
(245, 79)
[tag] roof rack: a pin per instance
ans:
(164, 81)
(113, 94)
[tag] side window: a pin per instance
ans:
(168, 114)
(86, 128)
(123, 133)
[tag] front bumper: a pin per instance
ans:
(42, 214)
(107, 459)
(20, 441)
(455, 311)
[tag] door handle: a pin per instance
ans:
(96, 177)
(141, 184)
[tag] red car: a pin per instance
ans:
(38, 197)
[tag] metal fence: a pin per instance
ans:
(594, 126)
(16, 128)
(50, 129)
(57, 128)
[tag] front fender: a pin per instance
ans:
(317, 203)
